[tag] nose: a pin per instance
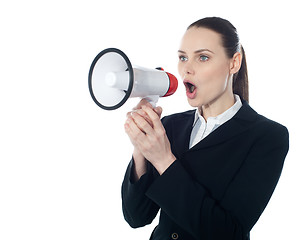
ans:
(187, 68)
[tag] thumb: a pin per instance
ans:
(158, 110)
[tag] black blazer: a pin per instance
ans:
(216, 190)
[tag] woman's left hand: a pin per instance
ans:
(150, 139)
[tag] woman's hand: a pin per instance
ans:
(140, 166)
(142, 103)
(148, 136)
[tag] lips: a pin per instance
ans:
(190, 89)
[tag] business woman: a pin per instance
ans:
(211, 171)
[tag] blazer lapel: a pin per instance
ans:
(182, 127)
(236, 125)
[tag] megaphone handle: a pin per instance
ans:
(152, 99)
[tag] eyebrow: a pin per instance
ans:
(198, 51)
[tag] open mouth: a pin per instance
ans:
(189, 87)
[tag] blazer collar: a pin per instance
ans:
(240, 122)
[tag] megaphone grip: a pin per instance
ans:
(173, 84)
(152, 99)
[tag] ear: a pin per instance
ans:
(235, 63)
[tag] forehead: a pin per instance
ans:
(201, 38)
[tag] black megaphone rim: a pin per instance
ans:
(131, 78)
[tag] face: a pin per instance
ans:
(204, 67)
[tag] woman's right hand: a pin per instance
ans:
(139, 160)
(144, 102)
(142, 113)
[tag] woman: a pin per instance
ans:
(212, 170)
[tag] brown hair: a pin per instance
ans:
(231, 44)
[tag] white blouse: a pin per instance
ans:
(201, 128)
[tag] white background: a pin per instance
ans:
(63, 158)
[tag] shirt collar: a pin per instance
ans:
(223, 117)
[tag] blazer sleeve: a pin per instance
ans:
(138, 209)
(190, 205)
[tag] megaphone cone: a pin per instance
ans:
(112, 80)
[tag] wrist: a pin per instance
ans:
(140, 165)
(137, 154)
(163, 166)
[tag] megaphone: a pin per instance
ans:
(112, 80)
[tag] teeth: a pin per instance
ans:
(190, 87)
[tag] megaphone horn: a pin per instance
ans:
(112, 80)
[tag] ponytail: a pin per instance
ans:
(240, 84)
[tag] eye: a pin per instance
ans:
(183, 58)
(203, 58)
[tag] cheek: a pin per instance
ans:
(213, 78)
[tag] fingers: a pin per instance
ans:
(147, 116)
(157, 110)
(139, 106)
(133, 131)
(143, 121)
(143, 102)
(154, 117)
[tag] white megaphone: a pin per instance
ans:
(112, 80)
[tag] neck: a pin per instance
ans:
(217, 106)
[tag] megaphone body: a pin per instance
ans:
(113, 79)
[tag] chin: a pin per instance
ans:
(194, 102)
